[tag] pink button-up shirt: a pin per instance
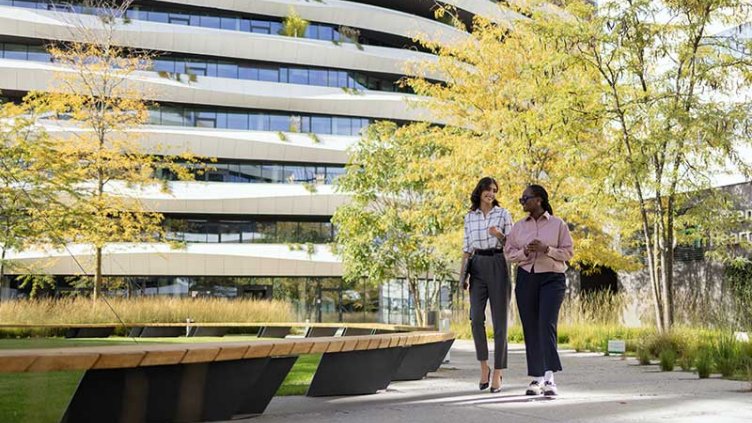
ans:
(551, 231)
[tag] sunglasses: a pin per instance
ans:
(524, 198)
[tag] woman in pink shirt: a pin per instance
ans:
(541, 245)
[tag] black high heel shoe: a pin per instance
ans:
(484, 386)
(496, 390)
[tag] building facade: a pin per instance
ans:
(277, 112)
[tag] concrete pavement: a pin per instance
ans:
(592, 388)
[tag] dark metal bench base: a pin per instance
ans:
(103, 332)
(355, 372)
(177, 393)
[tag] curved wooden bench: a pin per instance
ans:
(219, 380)
(264, 330)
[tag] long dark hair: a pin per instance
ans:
(483, 185)
(541, 192)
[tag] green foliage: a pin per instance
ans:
(687, 359)
(738, 279)
(667, 360)
(389, 229)
(294, 25)
(668, 125)
(704, 363)
(643, 355)
(727, 352)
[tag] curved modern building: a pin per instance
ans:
(277, 112)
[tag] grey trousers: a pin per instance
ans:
(489, 282)
(539, 298)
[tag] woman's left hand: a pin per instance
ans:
(537, 246)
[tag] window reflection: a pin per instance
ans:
(255, 121)
(252, 71)
(248, 231)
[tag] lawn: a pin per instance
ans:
(42, 397)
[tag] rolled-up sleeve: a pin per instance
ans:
(512, 250)
(506, 222)
(565, 250)
(466, 239)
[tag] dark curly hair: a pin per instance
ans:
(541, 192)
(483, 185)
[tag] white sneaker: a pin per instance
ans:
(533, 389)
(549, 389)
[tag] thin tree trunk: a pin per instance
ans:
(652, 271)
(97, 274)
(2, 272)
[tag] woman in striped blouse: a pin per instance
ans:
(486, 227)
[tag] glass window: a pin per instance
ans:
(227, 70)
(311, 232)
(154, 117)
(260, 27)
(245, 25)
(248, 72)
(196, 68)
(236, 120)
(269, 74)
(251, 172)
(312, 32)
(265, 232)
(195, 20)
(212, 232)
(321, 125)
(172, 116)
(206, 119)
(305, 124)
(318, 77)
(275, 28)
(258, 122)
(232, 24)
(163, 65)
(39, 54)
(333, 173)
(180, 66)
(341, 79)
(230, 232)
(189, 117)
(15, 51)
(341, 126)
(291, 174)
(211, 68)
(273, 174)
(210, 22)
(246, 231)
(326, 33)
(279, 123)
(221, 119)
(287, 232)
(194, 231)
(158, 17)
(298, 76)
(178, 19)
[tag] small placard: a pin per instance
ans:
(617, 346)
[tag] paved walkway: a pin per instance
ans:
(592, 388)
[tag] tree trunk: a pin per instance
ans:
(652, 272)
(97, 274)
(419, 309)
(2, 273)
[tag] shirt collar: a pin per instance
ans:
(493, 210)
(545, 214)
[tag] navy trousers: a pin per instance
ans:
(539, 298)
